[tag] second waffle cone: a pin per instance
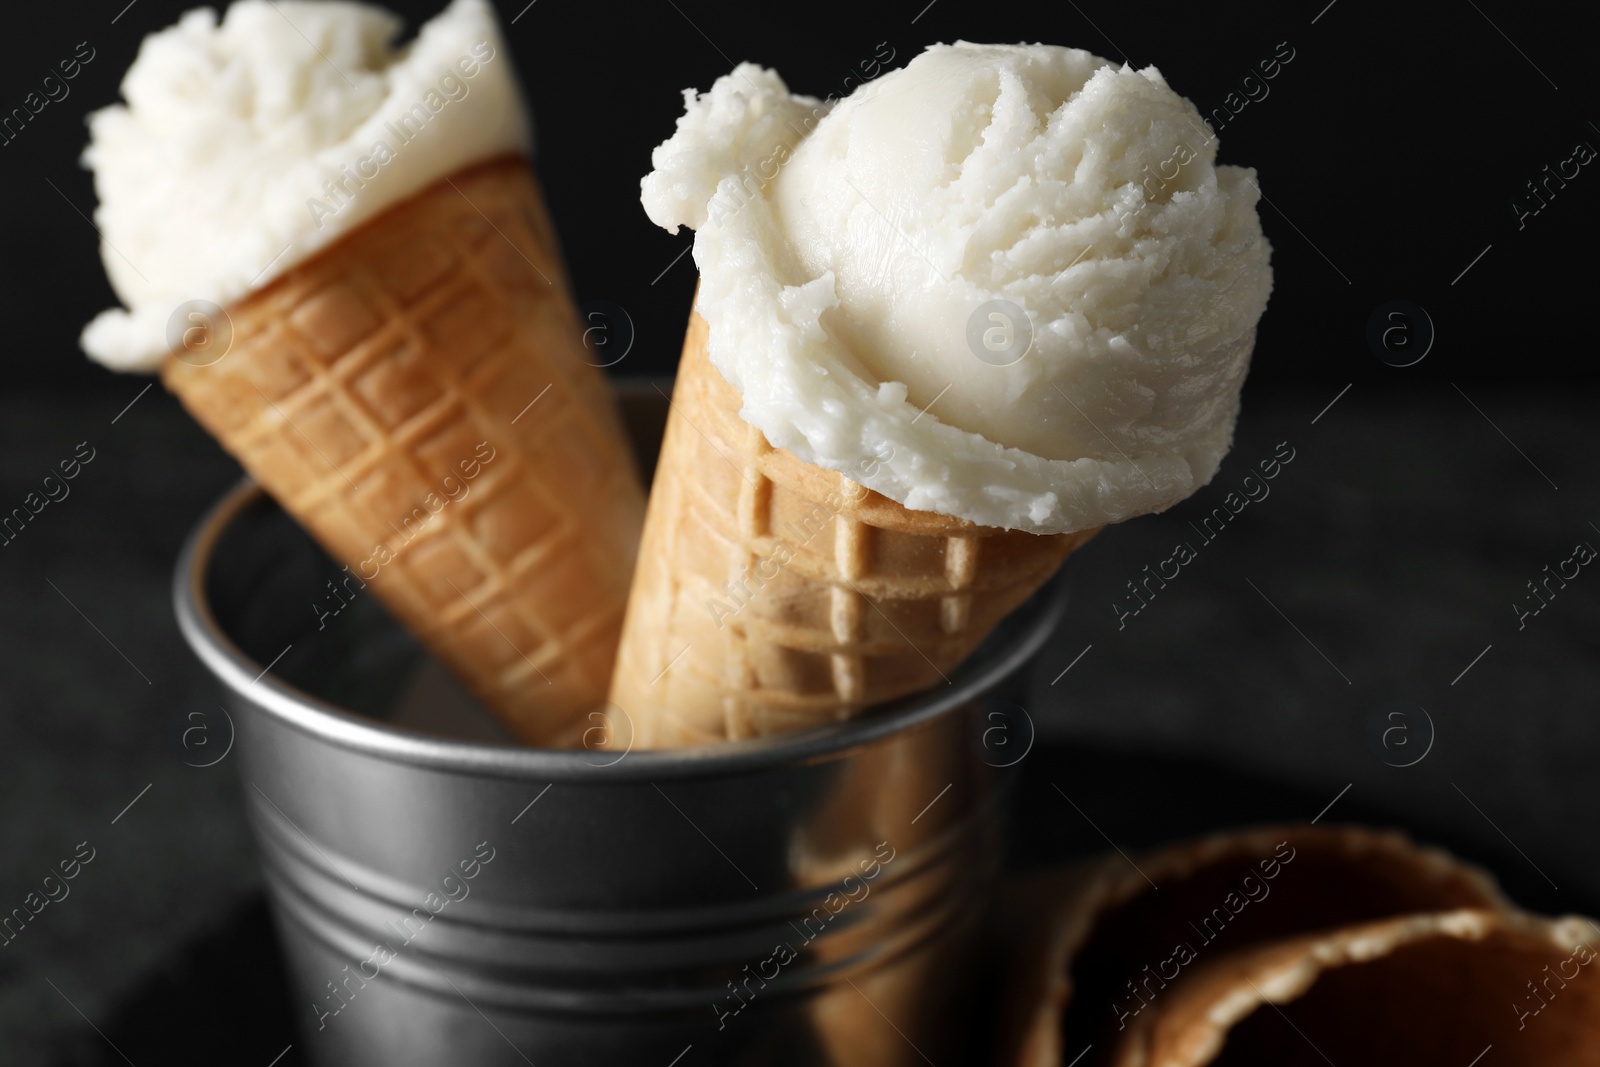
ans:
(417, 397)
(773, 594)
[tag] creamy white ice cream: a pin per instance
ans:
(247, 145)
(851, 255)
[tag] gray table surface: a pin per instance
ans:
(1382, 566)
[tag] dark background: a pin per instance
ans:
(1378, 575)
(1391, 148)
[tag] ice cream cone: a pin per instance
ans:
(774, 595)
(1097, 945)
(416, 395)
(1441, 988)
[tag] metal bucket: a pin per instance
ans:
(446, 898)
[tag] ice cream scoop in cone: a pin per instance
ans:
(417, 397)
(1449, 988)
(340, 261)
(938, 342)
(774, 595)
(1101, 945)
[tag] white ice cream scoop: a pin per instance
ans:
(1014, 271)
(247, 145)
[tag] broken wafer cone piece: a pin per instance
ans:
(417, 396)
(774, 595)
(1102, 944)
(1452, 988)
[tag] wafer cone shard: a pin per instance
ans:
(1424, 988)
(1101, 952)
(774, 595)
(384, 393)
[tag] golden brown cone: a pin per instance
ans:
(1462, 987)
(774, 595)
(1082, 935)
(417, 397)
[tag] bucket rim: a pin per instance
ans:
(255, 685)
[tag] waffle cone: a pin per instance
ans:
(1440, 988)
(774, 595)
(1091, 942)
(417, 397)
